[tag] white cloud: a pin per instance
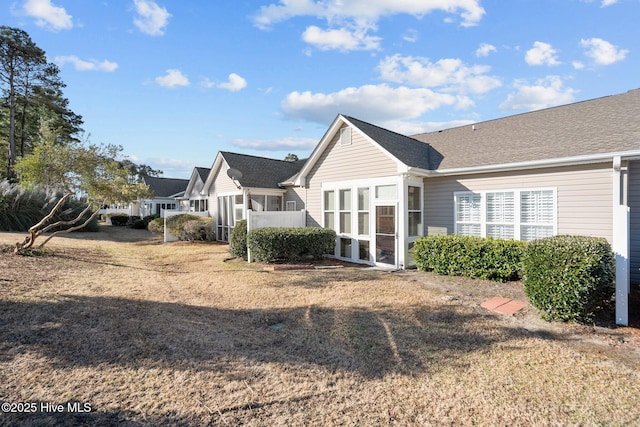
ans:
(90, 65)
(606, 3)
(340, 39)
(290, 143)
(172, 79)
(541, 54)
(151, 19)
(47, 15)
(377, 103)
(577, 65)
(370, 11)
(410, 36)
(543, 93)
(448, 74)
(485, 49)
(234, 83)
(602, 52)
(350, 21)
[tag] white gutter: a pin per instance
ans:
(533, 164)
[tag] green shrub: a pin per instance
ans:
(476, 257)
(175, 223)
(119, 220)
(156, 225)
(137, 223)
(197, 229)
(290, 244)
(191, 227)
(238, 240)
(569, 278)
(147, 219)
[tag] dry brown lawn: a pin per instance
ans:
(148, 333)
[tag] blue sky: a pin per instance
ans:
(176, 81)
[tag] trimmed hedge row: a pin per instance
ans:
(569, 278)
(290, 244)
(480, 258)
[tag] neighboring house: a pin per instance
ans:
(253, 183)
(195, 199)
(165, 191)
(572, 169)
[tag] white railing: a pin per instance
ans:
(172, 212)
(279, 219)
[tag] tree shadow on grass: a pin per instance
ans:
(87, 331)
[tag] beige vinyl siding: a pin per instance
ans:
(197, 188)
(584, 196)
(359, 160)
(222, 183)
(297, 195)
(634, 206)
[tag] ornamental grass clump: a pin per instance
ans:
(569, 278)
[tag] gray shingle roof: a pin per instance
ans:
(598, 126)
(261, 172)
(166, 187)
(203, 173)
(408, 150)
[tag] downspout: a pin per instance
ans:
(620, 245)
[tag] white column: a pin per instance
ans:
(620, 245)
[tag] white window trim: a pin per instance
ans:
(517, 209)
(288, 204)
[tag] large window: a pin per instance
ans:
(345, 211)
(537, 214)
(198, 205)
(329, 209)
(363, 211)
(468, 214)
(518, 214)
(238, 211)
(501, 215)
(414, 207)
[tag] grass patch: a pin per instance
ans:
(169, 334)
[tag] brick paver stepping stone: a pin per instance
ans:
(504, 305)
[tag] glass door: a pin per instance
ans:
(386, 234)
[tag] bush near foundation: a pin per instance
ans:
(290, 244)
(569, 278)
(191, 227)
(238, 240)
(119, 220)
(156, 226)
(200, 229)
(476, 257)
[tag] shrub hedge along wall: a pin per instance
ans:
(290, 244)
(569, 278)
(481, 258)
